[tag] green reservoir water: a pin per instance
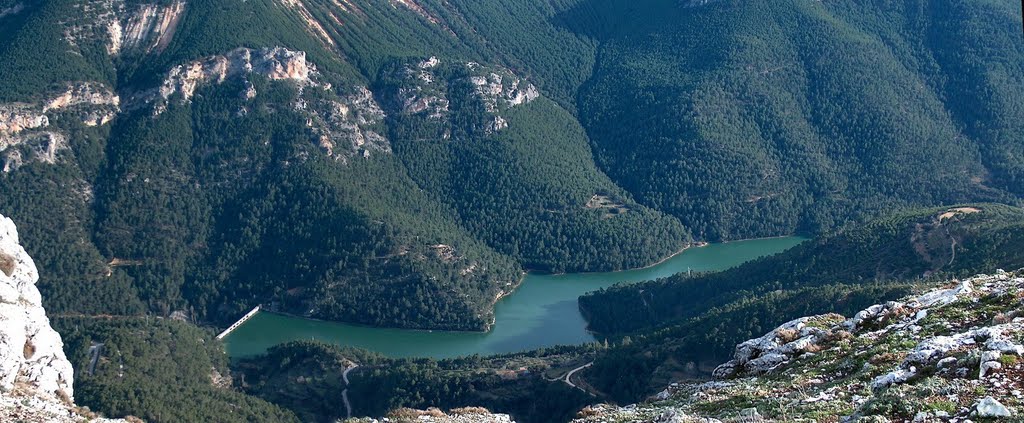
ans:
(542, 312)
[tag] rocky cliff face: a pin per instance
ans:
(425, 89)
(147, 28)
(345, 124)
(35, 376)
(350, 124)
(124, 28)
(26, 133)
(275, 63)
(951, 354)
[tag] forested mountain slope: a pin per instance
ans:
(680, 327)
(401, 163)
(959, 240)
(348, 175)
(758, 118)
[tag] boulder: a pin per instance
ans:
(989, 407)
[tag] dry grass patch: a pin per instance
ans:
(959, 210)
(7, 264)
(469, 411)
(28, 350)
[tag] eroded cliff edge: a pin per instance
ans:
(36, 379)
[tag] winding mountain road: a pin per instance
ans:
(568, 376)
(344, 393)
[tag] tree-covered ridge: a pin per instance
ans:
(270, 218)
(211, 193)
(479, 138)
(158, 370)
(954, 240)
(680, 327)
(754, 119)
(309, 377)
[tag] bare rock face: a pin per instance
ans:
(149, 27)
(424, 93)
(275, 63)
(36, 380)
(90, 94)
(16, 118)
(31, 352)
(92, 103)
(959, 345)
(779, 347)
(349, 125)
(124, 28)
(26, 134)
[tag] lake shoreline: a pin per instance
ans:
(544, 312)
(505, 294)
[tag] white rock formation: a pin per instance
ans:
(149, 27)
(961, 340)
(990, 408)
(778, 347)
(500, 92)
(28, 125)
(36, 380)
(347, 126)
(15, 118)
(86, 93)
(31, 352)
(422, 92)
(275, 63)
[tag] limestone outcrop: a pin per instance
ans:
(36, 379)
(147, 28)
(349, 125)
(276, 63)
(26, 130)
(424, 92)
(952, 354)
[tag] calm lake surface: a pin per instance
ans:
(542, 312)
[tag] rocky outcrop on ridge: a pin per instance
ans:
(36, 380)
(351, 124)
(952, 354)
(26, 133)
(182, 81)
(425, 89)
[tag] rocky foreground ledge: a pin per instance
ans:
(953, 354)
(35, 377)
(434, 415)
